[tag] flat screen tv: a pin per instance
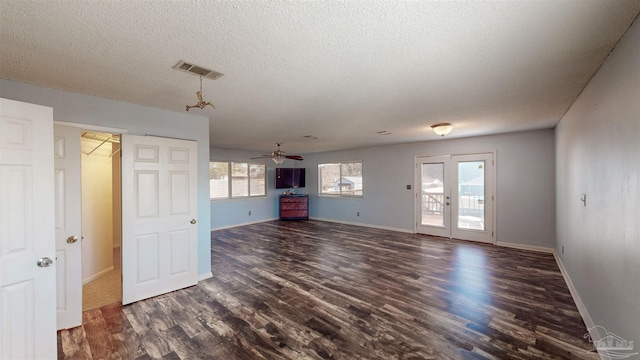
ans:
(289, 178)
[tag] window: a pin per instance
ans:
(340, 179)
(228, 179)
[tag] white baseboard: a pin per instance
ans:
(243, 224)
(97, 275)
(365, 225)
(582, 309)
(205, 276)
(526, 247)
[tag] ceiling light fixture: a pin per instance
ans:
(279, 156)
(442, 129)
(201, 103)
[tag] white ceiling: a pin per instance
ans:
(341, 71)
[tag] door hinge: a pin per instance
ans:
(492, 234)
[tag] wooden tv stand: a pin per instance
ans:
(294, 207)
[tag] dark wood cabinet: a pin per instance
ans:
(294, 207)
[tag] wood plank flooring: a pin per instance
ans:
(319, 290)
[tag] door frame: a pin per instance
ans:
(418, 189)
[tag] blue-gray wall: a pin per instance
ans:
(234, 212)
(138, 120)
(525, 175)
(525, 199)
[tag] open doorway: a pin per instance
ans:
(101, 219)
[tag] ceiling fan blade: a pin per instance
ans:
(261, 157)
(294, 157)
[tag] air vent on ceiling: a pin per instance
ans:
(197, 70)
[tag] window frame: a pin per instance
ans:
(340, 194)
(230, 195)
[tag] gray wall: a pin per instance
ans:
(598, 154)
(525, 197)
(138, 120)
(525, 174)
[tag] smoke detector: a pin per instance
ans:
(197, 70)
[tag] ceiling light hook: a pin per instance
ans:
(201, 103)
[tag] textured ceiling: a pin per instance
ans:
(341, 71)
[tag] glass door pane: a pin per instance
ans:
(471, 192)
(433, 210)
(433, 194)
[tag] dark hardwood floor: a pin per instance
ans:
(319, 290)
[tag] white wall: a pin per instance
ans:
(138, 120)
(525, 196)
(97, 210)
(598, 154)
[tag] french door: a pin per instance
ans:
(455, 196)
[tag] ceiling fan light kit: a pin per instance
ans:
(279, 156)
(442, 129)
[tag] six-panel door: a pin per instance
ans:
(27, 290)
(159, 197)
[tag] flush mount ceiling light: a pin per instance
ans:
(442, 129)
(201, 103)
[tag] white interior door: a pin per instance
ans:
(27, 228)
(455, 196)
(68, 215)
(159, 212)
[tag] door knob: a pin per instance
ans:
(193, 221)
(44, 262)
(72, 239)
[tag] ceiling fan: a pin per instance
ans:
(279, 156)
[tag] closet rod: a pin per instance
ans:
(102, 143)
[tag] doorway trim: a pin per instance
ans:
(95, 128)
(91, 128)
